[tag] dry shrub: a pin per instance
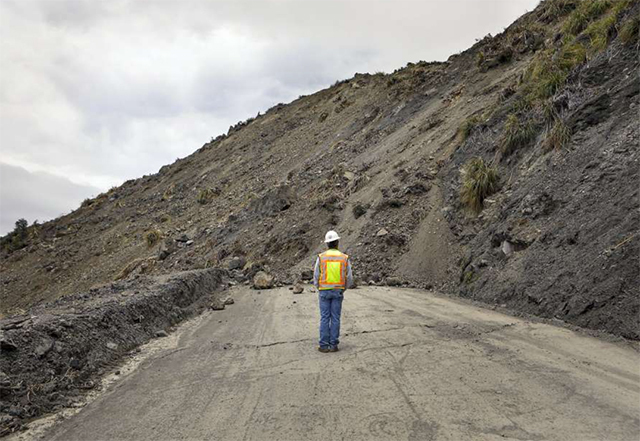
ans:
(205, 196)
(516, 134)
(630, 29)
(152, 237)
(558, 136)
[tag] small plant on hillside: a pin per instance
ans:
(205, 196)
(468, 126)
(630, 30)
(479, 58)
(479, 182)
(152, 237)
(360, 210)
(548, 111)
(558, 136)
(516, 134)
(168, 193)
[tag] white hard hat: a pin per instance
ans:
(331, 236)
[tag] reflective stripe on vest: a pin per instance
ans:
(333, 270)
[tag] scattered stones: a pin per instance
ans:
(298, 289)
(263, 280)
(229, 301)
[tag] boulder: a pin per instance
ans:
(263, 280)
(298, 289)
(382, 232)
(44, 347)
(217, 305)
(307, 274)
(237, 263)
(393, 281)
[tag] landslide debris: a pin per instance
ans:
(549, 107)
(57, 350)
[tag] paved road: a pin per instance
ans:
(412, 366)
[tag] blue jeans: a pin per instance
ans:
(330, 310)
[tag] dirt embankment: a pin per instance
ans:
(57, 350)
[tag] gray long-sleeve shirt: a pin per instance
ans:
(316, 274)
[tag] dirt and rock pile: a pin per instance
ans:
(57, 350)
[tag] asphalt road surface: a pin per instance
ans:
(411, 366)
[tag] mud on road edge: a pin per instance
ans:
(54, 355)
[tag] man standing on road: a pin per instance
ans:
(332, 276)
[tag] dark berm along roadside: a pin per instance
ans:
(507, 174)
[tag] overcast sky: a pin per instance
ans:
(95, 92)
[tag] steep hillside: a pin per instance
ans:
(545, 222)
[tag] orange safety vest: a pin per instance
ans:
(333, 270)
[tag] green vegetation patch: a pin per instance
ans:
(479, 182)
(630, 30)
(587, 11)
(18, 238)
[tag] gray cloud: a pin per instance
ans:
(100, 92)
(36, 196)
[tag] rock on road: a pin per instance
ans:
(412, 366)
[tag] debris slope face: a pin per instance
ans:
(507, 174)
